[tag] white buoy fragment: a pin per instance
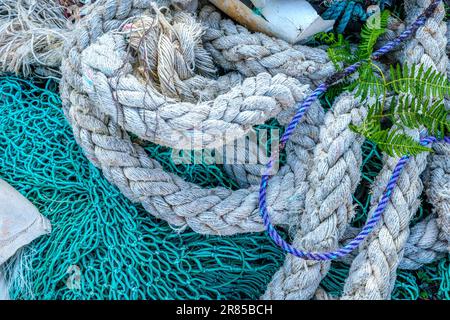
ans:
(20, 221)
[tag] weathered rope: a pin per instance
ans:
(107, 145)
(373, 272)
(333, 179)
(448, 48)
(233, 47)
(426, 244)
(303, 108)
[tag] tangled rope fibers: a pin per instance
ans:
(302, 109)
(105, 142)
(119, 251)
(42, 160)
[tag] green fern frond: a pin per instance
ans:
(340, 51)
(414, 112)
(418, 82)
(397, 144)
(367, 128)
(328, 38)
(390, 141)
(375, 111)
(368, 84)
(374, 27)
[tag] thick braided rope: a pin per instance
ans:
(304, 60)
(319, 256)
(438, 190)
(140, 109)
(303, 108)
(153, 115)
(429, 48)
(209, 211)
(333, 179)
(181, 50)
(373, 272)
(426, 244)
(434, 43)
(233, 47)
(428, 45)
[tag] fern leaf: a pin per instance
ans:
(413, 112)
(339, 50)
(368, 84)
(397, 144)
(392, 142)
(374, 27)
(367, 128)
(375, 111)
(418, 82)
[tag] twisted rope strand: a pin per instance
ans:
(276, 237)
(334, 176)
(373, 272)
(209, 211)
(426, 244)
(233, 47)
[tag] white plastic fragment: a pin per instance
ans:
(291, 20)
(20, 222)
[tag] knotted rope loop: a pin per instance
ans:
(104, 98)
(177, 114)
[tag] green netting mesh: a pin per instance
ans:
(122, 252)
(117, 249)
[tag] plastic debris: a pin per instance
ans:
(20, 221)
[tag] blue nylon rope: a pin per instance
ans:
(346, 10)
(303, 108)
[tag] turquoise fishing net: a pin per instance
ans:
(121, 251)
(102, 246)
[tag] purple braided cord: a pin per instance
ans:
(303, 108)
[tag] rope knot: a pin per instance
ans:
(170, 52)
